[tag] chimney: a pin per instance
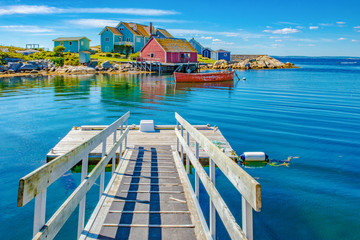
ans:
(151, 29)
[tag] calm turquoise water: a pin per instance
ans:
(312, 113)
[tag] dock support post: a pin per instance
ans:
(196, 175)
(177, 139)
(187, 158)
(39, 212)
(182, 148)
(247, 219)
(102, 176)
(126, 134)
(84, 172)
(212, 207)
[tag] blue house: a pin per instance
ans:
(128, 34)
(199, 48)
(73, 44)
(220, 55)
(206, 52)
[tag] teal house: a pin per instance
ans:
(199, 48)
(133, 35)
(73, 44)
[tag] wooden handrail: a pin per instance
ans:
(249, 188)
(37, 181)
(226, 216)
(59, 218)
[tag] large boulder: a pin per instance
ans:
(106, 65)
(3, 68)
(28, 67)
(14, 65)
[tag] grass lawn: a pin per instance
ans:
(112, 59)
(205, 60)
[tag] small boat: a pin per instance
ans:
(204, 77)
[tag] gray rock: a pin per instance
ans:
(10, 71)
(3, 68)
(34, 71)
(14, 65)
(106, 65)
(28, 67)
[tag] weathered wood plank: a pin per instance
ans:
(226, 216)
(59, 218)
(35, 182)
(249, 188)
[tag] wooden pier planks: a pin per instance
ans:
(164, 135)
(149, 201)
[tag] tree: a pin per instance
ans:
(59, 50)
(127, 49)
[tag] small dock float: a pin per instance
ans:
(149, 195)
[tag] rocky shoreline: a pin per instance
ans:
(259, 62)
(47, 67)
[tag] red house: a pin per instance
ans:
(168, 51)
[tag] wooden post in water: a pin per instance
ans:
(84, 172)
(39, 212)
(212, 214)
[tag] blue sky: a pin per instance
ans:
(276, 27)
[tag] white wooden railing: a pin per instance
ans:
(35, 184)
(248, 187)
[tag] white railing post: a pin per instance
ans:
(247, 219)
(177, 139)
(212, 207)
(196, 175)
(121, 133)
(84, 172)
(39, 212)
(182, 148)
(187, 158)
(102, 176)
(126, 134)
(113, 160)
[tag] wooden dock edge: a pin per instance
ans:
(197, 218)
(97, 218)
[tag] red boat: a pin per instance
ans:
(204, 77)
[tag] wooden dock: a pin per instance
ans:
(149, 195)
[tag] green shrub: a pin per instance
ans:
(117, 55)
(58, 61)
(59, 50)
(109, 55)
(133, 56)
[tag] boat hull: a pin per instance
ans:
(204, 77)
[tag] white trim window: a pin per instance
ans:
(225, 54)
(121, 28)
(82, 43)
(128, 39)
(152, 55)
(107, 39)
(138, 40)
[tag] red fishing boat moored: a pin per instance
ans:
(204, 77)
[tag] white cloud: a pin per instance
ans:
(283, 31)
(216, 40)
(341, 23)
(342, 39)
(278, 40)
(93, 23)
(313, 27)
(357, 27)
(25, 29)
(306, 45)
(354, 40)
(43, 9)
(206, 38)
(326, 24)
(276, 45)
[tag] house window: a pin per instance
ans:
(107, 30)
(138, 40)
(225, 54)
(152, 55)
(70, 43)
(119, 39)
(186, 55)
(82, 43)
(128, 39)
(121, 29)
(107, 39)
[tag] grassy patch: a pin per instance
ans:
(205, 59)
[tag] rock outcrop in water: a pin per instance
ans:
(260, 62)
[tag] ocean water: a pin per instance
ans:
(311, 113)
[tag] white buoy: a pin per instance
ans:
(244, 78)
(254, 156)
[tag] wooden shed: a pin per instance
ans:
(173, 50)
